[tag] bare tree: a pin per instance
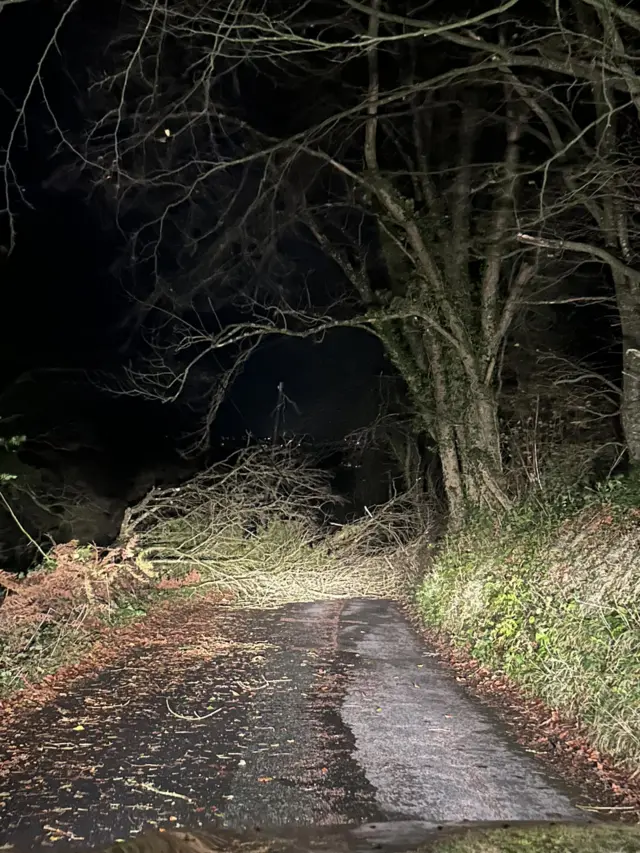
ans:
(585, 102)
(401, 155)
(435, 176)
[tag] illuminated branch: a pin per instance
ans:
(559, 245)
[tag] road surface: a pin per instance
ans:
(324, 713)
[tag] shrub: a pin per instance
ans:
(50, 615)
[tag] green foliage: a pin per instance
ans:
(542, 839)
(51, 647)
(13, 442)
(549, 594)
(622, 491)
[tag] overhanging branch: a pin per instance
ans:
(558, 245)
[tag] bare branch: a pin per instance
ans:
(8, 178)
(428, 28)
(373, 94)
(559, 245)
(502, 217)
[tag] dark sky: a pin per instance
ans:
(58, 302)
(333, 386)
(62, 308)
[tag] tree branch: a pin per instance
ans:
(373, 92)
(503, 215)
(428, 28)
(585, 249)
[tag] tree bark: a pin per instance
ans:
(465, 427)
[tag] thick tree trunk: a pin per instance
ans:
(466, 429)
(458, 411)
(472, 479)
(630, 410)
(452, 475)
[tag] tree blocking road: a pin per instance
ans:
(324, 713)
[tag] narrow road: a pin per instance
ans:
(325, 713)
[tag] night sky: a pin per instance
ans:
(60, 305)
(333, 385)
(65, 308)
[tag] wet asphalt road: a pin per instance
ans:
(325, 713)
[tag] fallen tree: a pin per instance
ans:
(259, 525)
(254, 530)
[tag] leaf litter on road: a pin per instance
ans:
(152, 706)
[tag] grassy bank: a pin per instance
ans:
(550, 839)
(550, 596)
(51, 617)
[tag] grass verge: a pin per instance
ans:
(52, 616)
(550, 596)
(549, 839)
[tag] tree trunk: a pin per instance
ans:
(465, 427)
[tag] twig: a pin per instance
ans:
(608, 808)
(21, 527)
(195, 719)
(147, 786)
